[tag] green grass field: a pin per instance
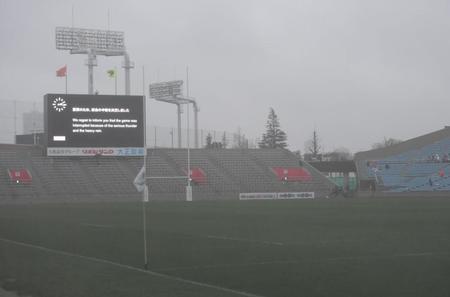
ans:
(355, 247)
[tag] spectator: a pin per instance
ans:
(437, 158)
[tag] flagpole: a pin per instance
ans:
(115, 80)
(144, 222)
(66, 79)
(145, 196)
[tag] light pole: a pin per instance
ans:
(171, 92)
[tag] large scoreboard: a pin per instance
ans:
(87, 125)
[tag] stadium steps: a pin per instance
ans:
(250, 177)
(178, 159)
(172, 162)
(93, 174)
(320, 184)
(6, 189)
(109, 177)
(262, 163)
(278, 158)
(37, 184)
(218, 163)
(49, 179)
(126, 179)
(163, 188)
(216, 183)
(222, 183)
(66, 178)
(130, 167)
(228, 177)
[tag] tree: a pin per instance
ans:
(224, 140)
(340, 154)
(274, 136)
(298, 153)
(240, 140)
(387, 142)
(208, 141)
(210, 144)
(313, 145)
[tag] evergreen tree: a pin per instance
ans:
(274, 136)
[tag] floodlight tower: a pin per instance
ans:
(179, 112)
(92, 43)
(171, 92)
(90, 63)
(127, 65)
(196, 110)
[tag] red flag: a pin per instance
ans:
(62, 71)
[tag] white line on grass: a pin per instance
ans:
(261, 263)
(244, 240)
(277, 243)
(421, 254)
(161, 275)
(97, 225)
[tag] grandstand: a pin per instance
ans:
(215, 173)
(418, 165)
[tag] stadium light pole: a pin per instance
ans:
(189, 187)
(171, 92)
(90, 63)
(92, 43)
(196, 110)
(127, 65)
(179, 112)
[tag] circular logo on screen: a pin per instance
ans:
(59, 104)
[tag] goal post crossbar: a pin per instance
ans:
(167, 177)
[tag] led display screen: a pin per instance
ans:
(94, 124)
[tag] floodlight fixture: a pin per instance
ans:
(92, 43)
(78, 39)
(166, 90)
(172, 92)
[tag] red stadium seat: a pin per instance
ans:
(289, 174)
(20, 176)
(198, 176)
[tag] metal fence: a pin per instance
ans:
(167, 137)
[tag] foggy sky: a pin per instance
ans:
(357, 71)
